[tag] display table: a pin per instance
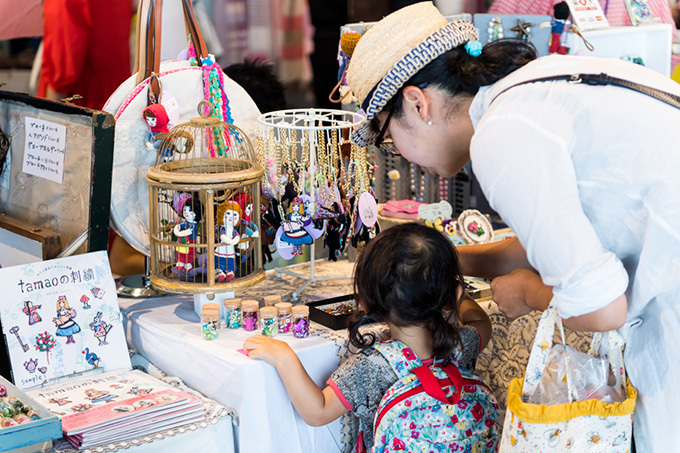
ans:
(167, 332)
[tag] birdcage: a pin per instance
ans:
(204, 203)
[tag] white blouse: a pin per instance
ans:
(589, 179)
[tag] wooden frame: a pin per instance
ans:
(82, 201)
(48, 241)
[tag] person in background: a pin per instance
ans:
(588, 182)
(260, 81)
(327, 18)
(86, 49)
(409, 278)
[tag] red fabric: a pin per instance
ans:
(86, 48)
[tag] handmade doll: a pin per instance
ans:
(157, 118)
(66, 326)
(32, 312)
(186, 231)
(336, 233)
(559, 26)
(229, 216)
(245, 202)
(270, 223)
(294, 227)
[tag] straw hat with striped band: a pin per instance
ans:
(394, 50)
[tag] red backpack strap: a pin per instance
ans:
(435, 387)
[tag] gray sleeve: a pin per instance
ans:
(470, 340)
(363, 379)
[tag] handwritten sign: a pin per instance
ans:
(45, 149)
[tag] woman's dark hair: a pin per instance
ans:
(457, 72)
(408, 275)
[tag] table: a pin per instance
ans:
(167, 332)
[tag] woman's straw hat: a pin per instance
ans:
(394, 50)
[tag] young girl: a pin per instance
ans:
(407, 277)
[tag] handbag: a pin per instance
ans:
(590, 425)
(178, 85)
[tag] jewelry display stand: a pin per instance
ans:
(335, 126)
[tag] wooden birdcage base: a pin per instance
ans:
(176, 285)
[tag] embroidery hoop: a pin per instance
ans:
(470, 217)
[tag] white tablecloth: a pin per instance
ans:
(167, 331)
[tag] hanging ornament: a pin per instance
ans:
(495, 29)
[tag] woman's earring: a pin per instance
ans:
(428, 121)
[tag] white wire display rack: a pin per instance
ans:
(310, 135)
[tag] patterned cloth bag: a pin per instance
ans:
(433, 408)
(590, 425)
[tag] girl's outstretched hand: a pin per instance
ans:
(267, 349)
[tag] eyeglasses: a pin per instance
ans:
(386, 145)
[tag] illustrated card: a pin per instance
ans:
(61, 318)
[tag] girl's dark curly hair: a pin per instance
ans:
(408, 275)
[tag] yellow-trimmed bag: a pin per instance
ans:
(591, 425)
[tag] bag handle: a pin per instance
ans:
(543, 342)
(610, 344)
(540, 351)
(142, 11)
(149, 32)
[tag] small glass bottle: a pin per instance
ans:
(301, 321)
(7, 422)
(284, 311)
(210, 323)
(269, 323)
(272, 300)
(232, 313)
(22, 418)
(249, 309)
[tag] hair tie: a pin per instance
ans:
(473, 48)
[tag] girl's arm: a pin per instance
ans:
(471, 314)
(316, 407)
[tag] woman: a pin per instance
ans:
(587, 176)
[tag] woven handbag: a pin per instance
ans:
(177, 84)
(591, 425)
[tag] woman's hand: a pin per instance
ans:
(520, 292)
(267, 349)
